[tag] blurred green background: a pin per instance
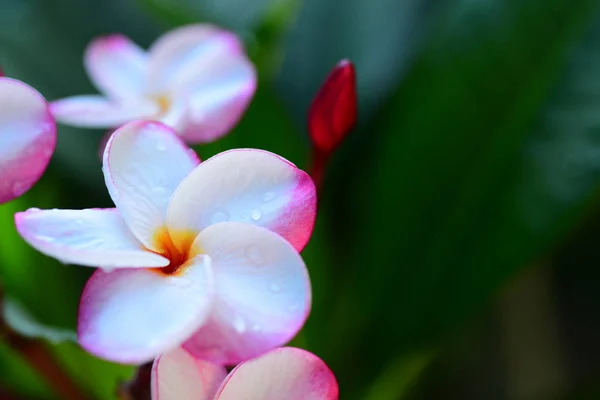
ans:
(456, 249)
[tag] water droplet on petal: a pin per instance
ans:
(160, 146)
(33, 209)
(254, 255)
(256, 328)
(293, 307)
(219, 216)
(256, 214)
(273, 287)
(269, 196)
(108, 270)
(239, 324)
(160, 190)
(79, 221)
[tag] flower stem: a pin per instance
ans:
(41, 360)
(138, 388)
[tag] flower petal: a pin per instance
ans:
(252, 186)
(197, 45)
(217, 95)
(133, 315)
(99, 112)
(92, 237)
(263, 293)
(117, 66)
(143, 164)
(289, 373)
(177, 375)
(27, 138)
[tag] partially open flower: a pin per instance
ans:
(27, 137)
(203, 254)
(285, 373)
(196, 79)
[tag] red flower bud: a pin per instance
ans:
(332, 113)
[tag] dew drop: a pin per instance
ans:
(160, 190)
(219, 216)
(33, 209)
(256, 214)
(293, 307)
(239, 324)
(254, 255)
(108, 270)
(273, 287)
(256, 328)
(269, 196)
(160, 146)
(79, 221)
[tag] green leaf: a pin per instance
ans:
(20, 378)
(23, 323)
(458, 184)
(47, 288)
(99, 378)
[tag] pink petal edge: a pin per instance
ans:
(287, 371)
(25, 152)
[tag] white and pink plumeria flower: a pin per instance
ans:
(200, 254)
(285, 373)
(27, 137)
(196, 79)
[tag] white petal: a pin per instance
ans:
(177, 375)
(218, 94)
(92, 237)
(287, 373)
(263, 293)
(252, 186)
(133, 315)
(27, 138)
(197, 45)
(117, 66)
(143, 164)
(99, 112)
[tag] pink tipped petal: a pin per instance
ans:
(92, 237)
(117, 66)
(27, 138)
(262, 293)
(143, 164)
(177, 375)
(217, 97)
(132, 315)
(287, 373)
(99, 112)
(198, 45)
(251, 186)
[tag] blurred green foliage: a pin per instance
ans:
(477, 153)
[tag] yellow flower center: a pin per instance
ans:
(164, 103)
(177, 247)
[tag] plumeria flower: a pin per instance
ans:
(201, 254)
(196, 79)
(284, 373)
(27, 137)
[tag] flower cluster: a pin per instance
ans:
(198, 262)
